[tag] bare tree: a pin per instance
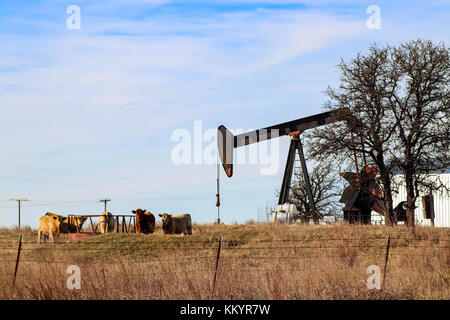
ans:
(325, 189)
(397, 102)
(421, 106)
(367, 85)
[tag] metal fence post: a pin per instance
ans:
(18, 259)
(217, 264)
(386, 262)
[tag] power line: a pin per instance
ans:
(72, 185)
(108, 177)
(97, 176)
(77, 173)
(110, 189)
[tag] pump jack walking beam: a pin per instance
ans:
(226, 142)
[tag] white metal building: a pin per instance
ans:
(441, 202)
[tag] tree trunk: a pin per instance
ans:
(389, 215)
(410, 201)
(390, 218)
(386, 181)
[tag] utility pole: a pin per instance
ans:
(19, 200)
(105, 201)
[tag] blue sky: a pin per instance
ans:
(87, 114)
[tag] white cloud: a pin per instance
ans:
(106, 99)
(101, 103)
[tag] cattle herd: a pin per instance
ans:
(52, 224)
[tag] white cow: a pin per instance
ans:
(106, 222)
(285, 213)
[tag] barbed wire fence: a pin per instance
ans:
(259, 249)
(140, 261)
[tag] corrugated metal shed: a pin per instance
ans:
(441, 204)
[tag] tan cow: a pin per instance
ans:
(176, 224)
(75, 222)
(106, 222)
(48, 226)
(56, 216)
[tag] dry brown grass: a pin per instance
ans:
(313, 262)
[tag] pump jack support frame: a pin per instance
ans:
(296, 145)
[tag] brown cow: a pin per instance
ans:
(145, 221)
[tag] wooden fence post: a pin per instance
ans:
(18, 259)
(129, 225)
(386, 262)
(217, 264)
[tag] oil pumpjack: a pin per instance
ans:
(227, 142)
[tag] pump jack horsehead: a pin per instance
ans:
(226, 142)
